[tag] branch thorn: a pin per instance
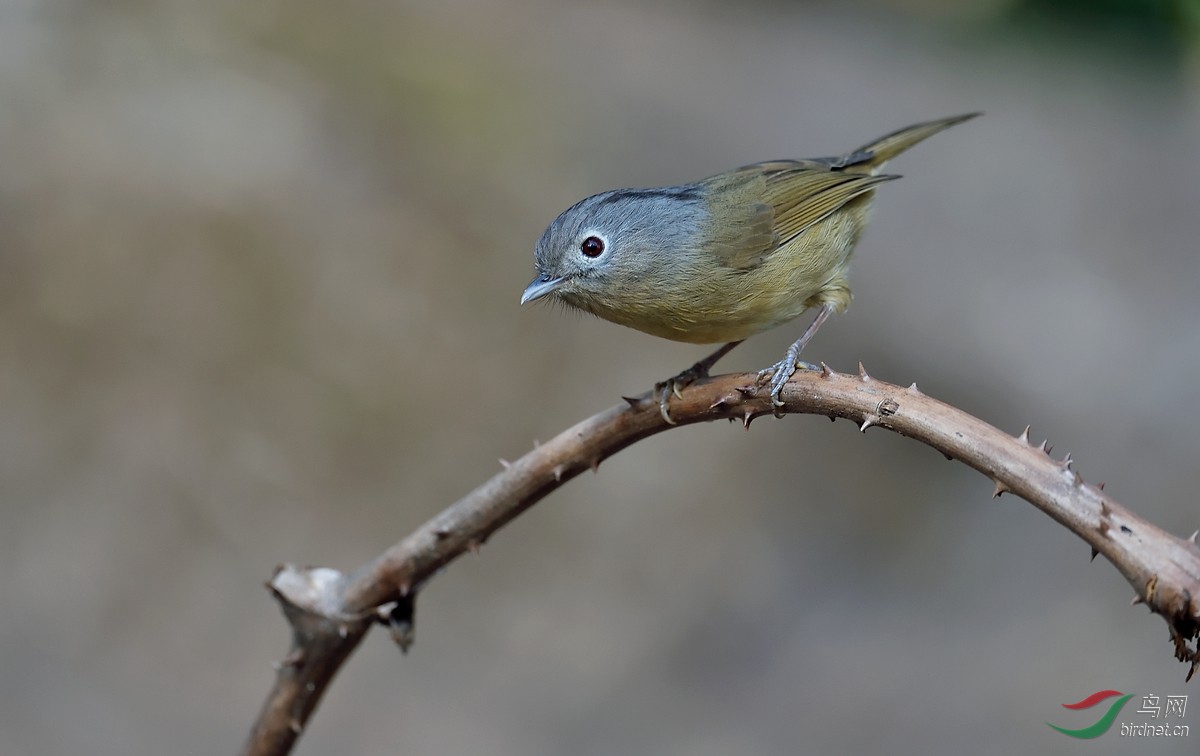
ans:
(294, 658)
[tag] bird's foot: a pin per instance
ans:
(778, 374)
(672, 386)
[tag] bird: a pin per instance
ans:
(723, 258)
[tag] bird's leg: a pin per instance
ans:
(695, 372)
(781, 371)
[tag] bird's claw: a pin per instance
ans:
(665, 389)
(778, 375)
(674, 385)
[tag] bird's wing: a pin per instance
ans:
(767, 204)
(802, 196)
(741, 227)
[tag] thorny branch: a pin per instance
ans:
(330, 612)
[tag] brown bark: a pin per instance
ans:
(330, 612)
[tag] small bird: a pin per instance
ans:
(724, 258)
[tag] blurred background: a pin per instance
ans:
(259, 272)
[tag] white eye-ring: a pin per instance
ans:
(592, 246)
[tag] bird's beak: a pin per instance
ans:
(540, 287)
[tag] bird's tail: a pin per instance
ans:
(875, 154)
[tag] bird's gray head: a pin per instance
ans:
(615, 244)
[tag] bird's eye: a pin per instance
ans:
(593, 246)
